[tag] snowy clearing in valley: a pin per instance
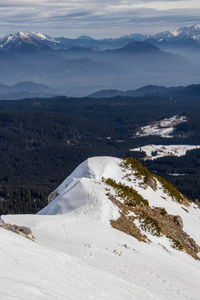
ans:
(163, 128)
(158, 151)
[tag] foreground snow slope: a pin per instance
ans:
(31, 271)
(78, 255)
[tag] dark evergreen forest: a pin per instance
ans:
(43, 140)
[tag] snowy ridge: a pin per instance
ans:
(190, 32)
(186, 32)
(20, 39)
(83, 191)
(16, 40)
(84, 257)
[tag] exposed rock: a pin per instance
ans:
(125, 222)
(21, 230)
(168, 225)
(197, 202)
(178, 221)
(193, 245)
(152, 183)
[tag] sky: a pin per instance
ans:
(102, 18)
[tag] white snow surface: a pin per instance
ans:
(165, 150)
(78, 255)
(27, 37)
(163, 128)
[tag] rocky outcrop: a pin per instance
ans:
(21, 230)
(125, 222)
(178, 221)
(154, 220)
(152, 183)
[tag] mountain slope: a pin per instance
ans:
(25, 89)
(179, 92)
(83, 68)
(35, 272)
(125, 181)
(83, 256)
(137, 48)
(27, 42)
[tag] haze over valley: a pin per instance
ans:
(77, 67)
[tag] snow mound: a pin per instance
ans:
(83, 192)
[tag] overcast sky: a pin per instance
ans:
(97, 18)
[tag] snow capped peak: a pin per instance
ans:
(189, 31)
(14, 36)
(183, 33)
(27, 41)
(21, 34)
(191, 28)
(39, 35)
(163, 35)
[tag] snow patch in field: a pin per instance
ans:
(158, 151)
(163, 128)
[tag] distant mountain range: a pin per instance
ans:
(25, 90)
(184, 36)
(77, 67)
(152, 90)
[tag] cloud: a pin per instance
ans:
(105, 18)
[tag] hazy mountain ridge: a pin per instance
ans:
(25, 89)
(45, 42)
(77, 67)
(150, 90)
(79, 71)
(187, 35)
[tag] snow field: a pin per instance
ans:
(78, 255)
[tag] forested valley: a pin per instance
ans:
(43, 140)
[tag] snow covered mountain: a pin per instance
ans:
(192, 32)
(184, 40)
(27, 42)
(165, 35)
(186, 32)
(189, 33)
(111, 230)
(37, 41)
